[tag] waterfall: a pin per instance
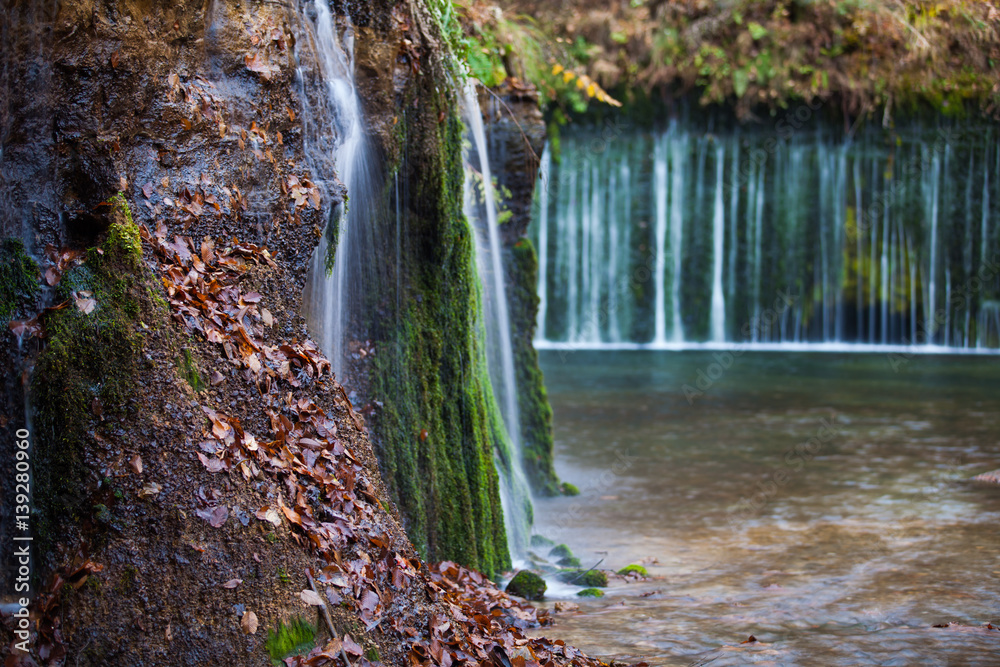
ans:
(660, 192)
(543, 239)
(692, 236)
(340, 154)
(677, 167)
(718, 323)
(481, 210)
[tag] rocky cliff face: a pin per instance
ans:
(192, 454)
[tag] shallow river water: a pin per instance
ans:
(819, 502)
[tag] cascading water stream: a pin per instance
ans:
(812, 240)
(336, 143)
(481, 210)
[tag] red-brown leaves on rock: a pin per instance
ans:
(215, 516)
(303, 192)
(255, 63)
(319, 485)
(351, 646)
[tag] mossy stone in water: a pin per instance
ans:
(589, 579)
(560, 551)
(568, 489)
(527, 585)
(539, 541)
(634, 569)
(569, 561)
(591, 593)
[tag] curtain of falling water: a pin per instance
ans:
(481, 210)
(340, 154)
(815, 238)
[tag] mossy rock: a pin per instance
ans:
(634, 570)
(587, 578)
(568, 489)
(88, 366)
(560, 551)
(591, 593)
(18, 279)
(527, 585)
(539, 541)
(569, 561)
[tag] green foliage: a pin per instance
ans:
(18, 279)
(293, 638)
(498, 47)
(767, 54)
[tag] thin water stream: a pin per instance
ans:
(820, 502)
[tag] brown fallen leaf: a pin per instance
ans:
(168, 633)
(352, 646)
(249, 623)
(114, 60)
(269, 514)
(213, 464)
(310, 598)
(257, 64)
(215, 516)
(149, 490)
(216, 378)
(84, 303)
(136, 464)
(232, 583)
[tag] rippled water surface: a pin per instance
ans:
(819, 502)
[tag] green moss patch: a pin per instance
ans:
(527, 585)
(560, 551)
(86, 372)
(533, 401)
(295, 637)
(538, 541)
(18, 279)
(634, 569)
(591, 593)
(440, 429)
(588, 578)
